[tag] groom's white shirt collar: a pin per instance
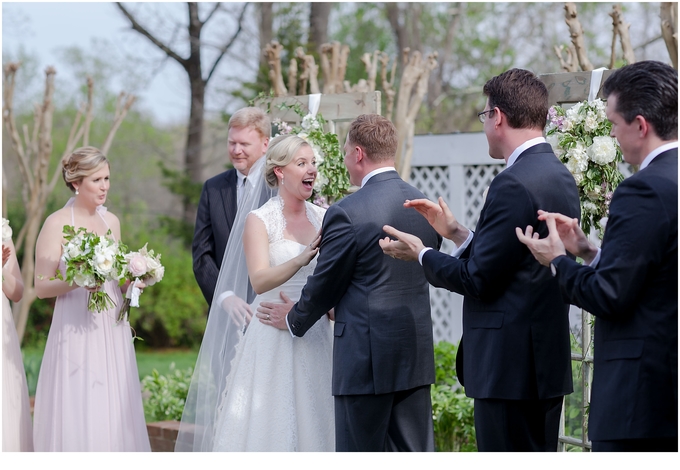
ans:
(376, 172)
(656, 152)
(518, 151)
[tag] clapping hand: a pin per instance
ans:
(440, 218)
(569, 230)
(406, 247)
(238, 309)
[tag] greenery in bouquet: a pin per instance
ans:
(143, 265)
(580, 137)
(90, 261)
(332, 182)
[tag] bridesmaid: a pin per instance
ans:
(17, 431)
(88, 396)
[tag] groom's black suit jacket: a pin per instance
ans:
(383, 328)
(515, 322)
(633, 292)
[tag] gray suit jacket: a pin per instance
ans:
(383, 328)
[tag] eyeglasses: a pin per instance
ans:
(482, 115)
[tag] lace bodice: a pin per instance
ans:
(282, 249)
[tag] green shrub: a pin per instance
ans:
(452, 410)
(165, 395)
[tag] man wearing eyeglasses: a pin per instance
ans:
(516, 359)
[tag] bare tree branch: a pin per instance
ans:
(140, 29)
(622, 28)
(577, 36)
(228, 45)
(212, 12)
(669, 29)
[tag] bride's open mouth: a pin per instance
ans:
(308, 183)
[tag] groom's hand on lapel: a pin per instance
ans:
(274, 314)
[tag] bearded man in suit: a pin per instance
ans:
(631, 284)
(383, 352)
(248, 138)
(516, 358)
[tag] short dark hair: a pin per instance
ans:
(648, 89)
(376, 135)
(521, 96)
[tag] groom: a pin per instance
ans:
(383, 358)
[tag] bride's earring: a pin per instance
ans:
(77, 191)
(282, 178)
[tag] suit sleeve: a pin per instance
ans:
(488, 265)
(203, 249)
(332, 275)
(634, 245)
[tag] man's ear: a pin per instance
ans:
(360, 154)
(642, 125)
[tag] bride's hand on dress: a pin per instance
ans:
(238, 309)
(274, 314)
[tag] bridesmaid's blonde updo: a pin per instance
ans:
(83, 162)
(281, 151)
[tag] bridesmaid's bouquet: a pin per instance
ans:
(90, 261)
(6, 230)
(143, 265)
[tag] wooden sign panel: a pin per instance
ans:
(570, 87)
(340, 107)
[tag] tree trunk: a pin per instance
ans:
(669, 29)
(192, 154)
(318, 25)
(266, 36)
(398, 28)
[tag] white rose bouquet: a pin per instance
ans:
(332, 181)
(580, 137)
(6, 230)
(90, 261)
(143, 265)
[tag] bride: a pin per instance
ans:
(270, 392)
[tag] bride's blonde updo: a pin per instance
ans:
(83, 162)
(281, 151)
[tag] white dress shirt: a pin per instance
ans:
(458, 250)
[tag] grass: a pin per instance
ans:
(147, 360)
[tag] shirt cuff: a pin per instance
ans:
(288, 325)
(459, 250)
(596, 260)
(422, 252)
(223, 296)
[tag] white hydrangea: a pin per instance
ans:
(573, 114)
(589, 207)
(554, 141)
(578, 158)
(321, 182)
(591, 123)
(6, 230)
(84, 279)
(603, 150)
(310, 122)
(104, 257)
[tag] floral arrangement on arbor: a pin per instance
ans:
(90, 261)
(580, 137)
(332, 182)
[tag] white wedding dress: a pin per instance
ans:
(278, 396)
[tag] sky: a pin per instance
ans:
(43, 28)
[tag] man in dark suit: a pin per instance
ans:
(248, 137)
(516, 349)
(383, 353)
(631, 285)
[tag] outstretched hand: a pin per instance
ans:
(274, 314)
(405, 247)
(310, 250)
(440, 218)
(544, 249)
(238, 309)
